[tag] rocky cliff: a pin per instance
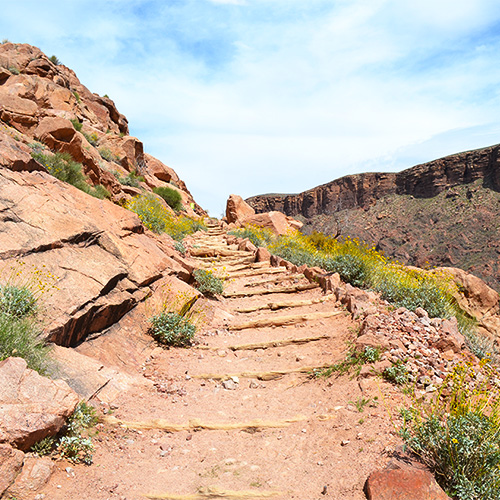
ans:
(104, 261)
(44, 108)
(442, 213)
(362, 190)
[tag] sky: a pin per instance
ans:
(278, 96)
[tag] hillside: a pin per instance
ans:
(147, 351)
(442, 213)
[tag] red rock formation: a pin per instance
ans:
(37, 101)
(353, 191)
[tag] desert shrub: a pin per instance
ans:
(260, 237)
(20, 332)
(14, 70)
(171, 196)
(172, 329)
(92, 139)
(207, 283)
(132, 179)
(21, 337)
(78, 126)
(63, 167)
(458, 434)
(107, 155)
(179, 246)
(77, 96)
(54, 60)
(156, 217)
(351, 268)
(73, 442)
(37, 147)
(397, 373)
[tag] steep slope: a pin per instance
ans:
(44, 108)
(445, 212)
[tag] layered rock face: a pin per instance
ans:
(362, 190)
(41, 102)
(103, 261)
(441, 213)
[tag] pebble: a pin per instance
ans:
(345, 442)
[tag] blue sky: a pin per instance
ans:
(256, 96)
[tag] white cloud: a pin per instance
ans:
(282, 95)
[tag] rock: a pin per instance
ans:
(247, 246)
(32, 407)
(274, 221)
(451, 338)
(11, 463)
(262, 255)
(403, 484)
(230, 384)
(15, 155)
(372, 340)
(237, 210)
(35, 474)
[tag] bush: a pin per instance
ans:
(17, 301)
(20, 332)
(207, 283)
(458, 434)
(172, 329)
(73, 443)
(132, 179)
(14, 70)
(54, 60)
(21, 337)
(171, 196)
(156, 217)
(397, 373)
(78, 126)
(92, 138)
(63, 167)
(106, 154)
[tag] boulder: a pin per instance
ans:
(450, 337)
(274, 221)
(238, 210)
(16, 155)
(11, 463)
(32, 407)
(247, 246)
(403, 484)
(262, 255)
(35, 474)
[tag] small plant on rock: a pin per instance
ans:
(172, 329)
(353, 361)
(54, 60)
(171, 196)
(78, 126)
(397, 373)
(207, 283)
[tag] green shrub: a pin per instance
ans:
(92, 138)
(106, 154)
(78, 126)
(17, 301)
(458, 434)
(77, 96)
(171, 196)
(37, 147)
(14, 70)
(207, 283)
(21, 337)
(156, 217)
(73, 442)
(63, 167)
(54, 60)
(172, 329)
(351, 268)
(397, 373)
(179, 246)
(132, 179)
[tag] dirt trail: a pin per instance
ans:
(238, 415)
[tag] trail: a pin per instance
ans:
(239, 415)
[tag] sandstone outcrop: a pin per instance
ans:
(240, 213)
(32, 407)
(361, 190)
(44, 108)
